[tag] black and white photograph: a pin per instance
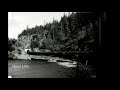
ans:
(54, 44)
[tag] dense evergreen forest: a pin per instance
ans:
(75, 32)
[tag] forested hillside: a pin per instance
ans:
(75, 32)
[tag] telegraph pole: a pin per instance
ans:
(68, 13)
(44, 22)
(53, 31)
(12, 21)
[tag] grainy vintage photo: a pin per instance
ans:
(53, 44)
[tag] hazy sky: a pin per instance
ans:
(18, 21)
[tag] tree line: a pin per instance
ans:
(75, 32)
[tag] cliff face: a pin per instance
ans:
(16, 47)
(24, 42)
(27, 42)
(34, 42)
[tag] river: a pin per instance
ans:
(38, 69)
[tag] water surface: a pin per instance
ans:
(38, 69)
